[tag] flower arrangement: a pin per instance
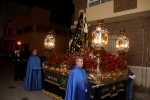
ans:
(109, 61)
(55, 59)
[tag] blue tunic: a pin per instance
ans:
(76, 85)
(33, 80)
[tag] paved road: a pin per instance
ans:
(10, 90)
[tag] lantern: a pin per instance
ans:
(99, 36)
(99, 39)
(49, 42)
(122, 43)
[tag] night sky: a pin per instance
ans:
(61, 10)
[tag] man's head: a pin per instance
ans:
(34, 52)
(79, 62)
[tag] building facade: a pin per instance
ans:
(8, 10)
(134, 17)
(31, 32)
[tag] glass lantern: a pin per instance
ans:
(99, 36)
(99, 39)
(122, 44)
(49, 42)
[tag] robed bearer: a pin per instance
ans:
(33, 80)
(129, 84)
(77, 85)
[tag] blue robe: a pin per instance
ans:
(76, 85)
(33, 80)
(129, 86)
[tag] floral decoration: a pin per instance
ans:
(109, 61)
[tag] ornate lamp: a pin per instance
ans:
(99, 39)
(49, 45)
(122, 44)
(49, 42)
(99, 36)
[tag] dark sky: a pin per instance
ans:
(61, 10)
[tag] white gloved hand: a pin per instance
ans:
(131, 76)
(134, 76)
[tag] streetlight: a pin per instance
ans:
(18, 43)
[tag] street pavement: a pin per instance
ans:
(10, 90)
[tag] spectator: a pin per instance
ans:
(18, 66)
